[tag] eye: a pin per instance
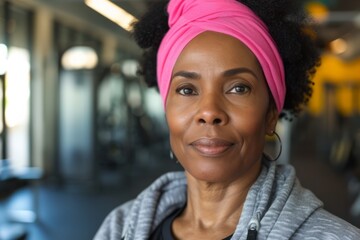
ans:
(186, 91)
(240, 89)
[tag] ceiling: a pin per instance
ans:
(71, 10)
(341, 23)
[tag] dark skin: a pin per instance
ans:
(218, 111)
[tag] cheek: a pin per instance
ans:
(176, 120)
(251, 130)
(251, 121)
(177, 123)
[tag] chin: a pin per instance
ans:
(220, 173)
(213, 175)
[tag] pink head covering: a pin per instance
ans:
(189, 18)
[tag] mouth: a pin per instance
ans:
(211, 147)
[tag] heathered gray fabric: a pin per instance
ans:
(284, 208)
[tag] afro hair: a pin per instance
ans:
(288, 25)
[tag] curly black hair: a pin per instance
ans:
(288, 25)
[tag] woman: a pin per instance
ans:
(226, 71)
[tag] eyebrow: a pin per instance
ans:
(232, 72)
(185, 74)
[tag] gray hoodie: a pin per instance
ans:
(277, 206)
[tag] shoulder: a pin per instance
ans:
(324, 225)
(112, 226)
(304, 206)
(146, 210)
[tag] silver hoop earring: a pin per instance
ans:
(172, 157)
(280, 148)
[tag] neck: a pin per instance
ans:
(214, 204)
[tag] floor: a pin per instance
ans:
(75, 213)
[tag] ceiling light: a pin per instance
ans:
(339, 46)
(112, 12)
(79, 57)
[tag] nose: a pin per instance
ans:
(211, 111)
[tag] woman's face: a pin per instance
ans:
(218, 109)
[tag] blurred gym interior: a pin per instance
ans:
(81, 133)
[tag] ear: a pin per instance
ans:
(272, 117)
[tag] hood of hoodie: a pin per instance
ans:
(276, 204)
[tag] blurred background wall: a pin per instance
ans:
(73, 107)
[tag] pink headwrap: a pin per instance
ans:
(189, 18)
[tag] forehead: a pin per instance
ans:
(217, 48)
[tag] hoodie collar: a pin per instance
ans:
(275, 203)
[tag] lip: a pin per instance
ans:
(211, 147)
